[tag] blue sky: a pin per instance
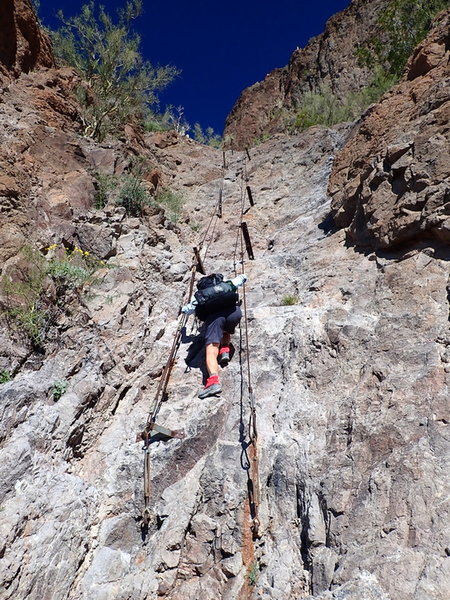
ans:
(220, 47)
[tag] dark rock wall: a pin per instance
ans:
(23, 45)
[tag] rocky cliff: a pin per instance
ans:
(23, 46)
(329, 60)
(349, 365)
(390, 185)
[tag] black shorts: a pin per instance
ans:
(217, 324)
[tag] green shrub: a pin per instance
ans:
(152, 125)
(22, 295)
(104, 185)
(67, 274)
(321, 108)
(133, 196)
(260, 139)
(32, 320)
(253, 573)
(5, 376)
(324, 108)
(120, 85)
(25, 300)
(403, 24)
(172, 119)
(289, 300)
(172, 201)
(127, 190)
(59, 388)
(207, 136)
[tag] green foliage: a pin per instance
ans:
(256, 141)
(26, 300)
(381, 82)
(195, 227)
(67, 274)
(128, 190)
(59, 388)
(71, 269)
(22, 295)
(32, 320)
(324, 108)
(207, 136)
(153, 124)
(5, 376)
(133, 195)
(171, 119)
(120, 84)
(403, 25)
(172, 201)
(289, 300)
(104, 185)
(253, 573)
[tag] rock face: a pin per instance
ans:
(329, 59)
(390, 184)
(349, 355)
(23, 45)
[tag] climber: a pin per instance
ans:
(216, 302)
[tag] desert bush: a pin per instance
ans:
(104, 186)
(325, 108)
(253, 573)
(133, 195)
(59, 388)
(403, 25)
(172, 202)
(119, 84)
(25, 300)
(127, 190)
(320, 108)
(172, 119)
(289, 300)
(5, 376)
(208, 136)
(153, 124)
(22, 295)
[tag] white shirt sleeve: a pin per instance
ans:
(239, 280)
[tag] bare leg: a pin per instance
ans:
(212, 351)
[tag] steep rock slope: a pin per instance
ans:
(23, 46)
(350, 383)
(390, 184)
(328, 59)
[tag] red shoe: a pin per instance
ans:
(224, 356)
(212, 387)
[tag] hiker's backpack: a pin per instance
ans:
(213, 295)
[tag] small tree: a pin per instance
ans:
(208, 137)
(120, 84)
(403, 25)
